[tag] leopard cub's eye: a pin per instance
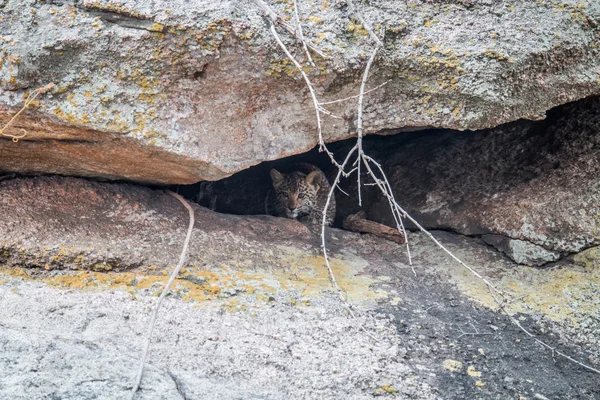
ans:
(284, 194)
(301, 195)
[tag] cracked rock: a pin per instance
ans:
(520, 251)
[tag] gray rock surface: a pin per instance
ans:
(253, 314)
(81, 345)
(183, 91)
(532, 185)
(534, 182)
(520, 251)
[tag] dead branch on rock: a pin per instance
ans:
(276, 19)
(475, 333)
(547, 346)
(30, 98)
(174, 274)
(359, 223)
(375, 171)
(300, 35)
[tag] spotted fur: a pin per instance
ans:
(301, 195)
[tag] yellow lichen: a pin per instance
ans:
(496, 55)
(452, 365)
(385, 389)
(357, 29)
(301, 274)
(156, 27)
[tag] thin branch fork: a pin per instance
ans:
(385, 187)
(323, 222)
(182, 256)
(276, 19)
(30, 98)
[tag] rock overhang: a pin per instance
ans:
(206, 92)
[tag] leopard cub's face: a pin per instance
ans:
(296, 192)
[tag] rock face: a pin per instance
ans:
(536, 184)
(253, 315)
(521, 251)
(185, 92)
(530, 188)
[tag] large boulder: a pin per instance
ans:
(254, 315)
(530, 188)
(180, 92)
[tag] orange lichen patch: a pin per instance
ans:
(311, 275)
(117, 8)
(296, 274)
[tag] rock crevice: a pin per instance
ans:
(531, 189)
(205, 87)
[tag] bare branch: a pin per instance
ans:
(359, 119)
(278, 20)
(397, 212)
(356, 96)
(382, 183)
(504, 303)
(359, 223)
(553, 349)
(476, 333)
(323, 222)
(300, 35)
(174, 274)
(30, 98)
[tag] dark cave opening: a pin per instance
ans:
(487, 162)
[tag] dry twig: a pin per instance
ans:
(359, 223)
(174, 274)
(475, 333)
(381, 181)
(30, 98)
(276, 19)
(355, 96)
(300, 35)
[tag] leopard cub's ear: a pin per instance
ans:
(277, 178)
(314, 179)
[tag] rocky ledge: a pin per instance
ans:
(254, 315)
(183, 91)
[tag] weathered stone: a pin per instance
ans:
(254, 315)
(590, 258)
(520, 251)
(535, 182)
(179, 93)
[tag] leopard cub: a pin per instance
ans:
(301, 195)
